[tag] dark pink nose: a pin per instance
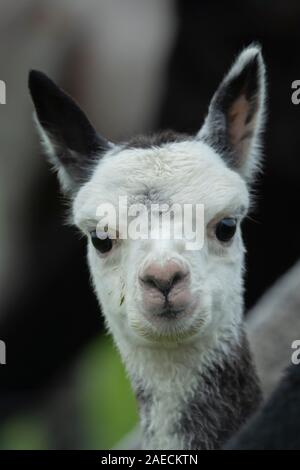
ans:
(163, 277)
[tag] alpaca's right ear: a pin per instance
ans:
(236, 113)
(70, 140)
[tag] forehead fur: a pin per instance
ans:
(179, 171)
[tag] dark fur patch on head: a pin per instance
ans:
(156, 140)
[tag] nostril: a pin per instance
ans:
(150, 281)
(156, 283)
(178, 276)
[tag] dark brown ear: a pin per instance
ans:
(70, 140)
(236, 113)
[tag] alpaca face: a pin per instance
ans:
(155, 288)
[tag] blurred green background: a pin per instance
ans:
(106, 406)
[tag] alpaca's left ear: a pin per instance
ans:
(236, 113)
(71, 142)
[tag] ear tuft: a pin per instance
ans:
(71, 142)
(236, 114)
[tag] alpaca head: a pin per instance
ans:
(154, 288)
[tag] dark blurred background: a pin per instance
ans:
(134, 66)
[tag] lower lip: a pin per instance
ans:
(171, 314)
(173, 328)
(167, 317)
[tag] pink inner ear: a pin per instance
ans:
(239, 130)
(237, 120)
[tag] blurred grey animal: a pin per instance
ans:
(277, 425)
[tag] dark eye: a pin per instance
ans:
(103, 244)
(225, 229)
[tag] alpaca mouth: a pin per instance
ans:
(170, 327)
(170, 313)
(169, 323)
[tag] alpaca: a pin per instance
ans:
(175, 314)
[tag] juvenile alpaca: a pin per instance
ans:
(175, 314)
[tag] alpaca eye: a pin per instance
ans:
(225, 229)
(103, 244)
